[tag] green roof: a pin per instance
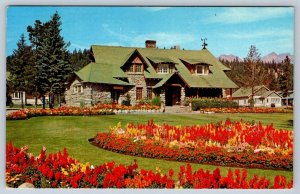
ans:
(165, 78)
(247, 91)
(161, 59)
(110, 59)
(100, 73)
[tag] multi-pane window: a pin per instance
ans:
(131, 68)
(139, 93)
(163, 68)
(77, 89)
(202, 70)
(149, 93)
(138, 68)
(275, 100)
(17, 95)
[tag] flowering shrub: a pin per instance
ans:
(100, 109)
(229, 143)
(58, 170)
(200, 103)
(61, 111)
(246, 110)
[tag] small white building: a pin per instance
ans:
(16, 98)
(263, 97)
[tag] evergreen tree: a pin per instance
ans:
(285, 79)
(79, 59)
(52, 59)
(20, 69)
(253, 73)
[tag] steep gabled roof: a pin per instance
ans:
(109, 59)
(247, 91)
(101, 73)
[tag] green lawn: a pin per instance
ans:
(73, 133)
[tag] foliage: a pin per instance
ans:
(284, 79)
(100, 109)
(61, 111)
(51, 56)
(156, 101)
(247, 110)
(20, 68)
(78, 59)
(127, 101)
(200, 103)
(229, 143)
(58, 170)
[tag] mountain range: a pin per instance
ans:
(267, 58)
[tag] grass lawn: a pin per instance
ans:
(72, 132)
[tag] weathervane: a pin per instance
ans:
(204, 43)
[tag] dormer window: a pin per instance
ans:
(164, 68)
(138, 68)
(202, 70)
(135, 65)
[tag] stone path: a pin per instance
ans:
(178, 109)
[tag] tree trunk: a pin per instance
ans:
(59, 102)
(43, 98)
(35, 101)
(22, 100)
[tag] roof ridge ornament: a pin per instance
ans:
(204, 43)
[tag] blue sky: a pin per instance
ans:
(229, 30)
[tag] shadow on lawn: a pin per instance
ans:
(287, 124)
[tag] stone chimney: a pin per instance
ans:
(150, 44)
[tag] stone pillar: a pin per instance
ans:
(162, 97)
(88, 97)
(224, 93)
(182, 97)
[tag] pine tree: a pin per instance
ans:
(20, 68)
(285, 79)
(52, 58)
(253, 73)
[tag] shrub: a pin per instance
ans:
(156, 101)
(127, 101)
(273, 105)
(198, 104)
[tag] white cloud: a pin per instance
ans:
(163, 39)
(246, 15)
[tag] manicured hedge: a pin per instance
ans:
(199, 103)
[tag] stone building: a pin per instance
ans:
(144, 73)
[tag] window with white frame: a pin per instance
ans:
(17, 95)
(138, 68)
(258, 101)
(163, 68)
(275, 100)
(202, 70)
(77, 89)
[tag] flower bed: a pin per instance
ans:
(58, 170)
(230, 143)
(100, 109)
(246, 110)
(61, 111)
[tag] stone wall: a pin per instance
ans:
(139, 81)
(73, 98)
(100, 93)
(90, 94)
